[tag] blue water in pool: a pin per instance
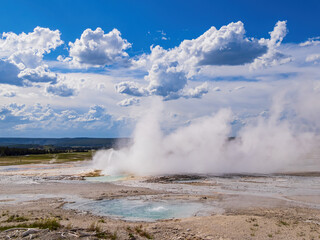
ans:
(140, 210)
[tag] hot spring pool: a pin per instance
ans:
(142, 210)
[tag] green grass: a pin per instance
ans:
(107, 235)
(283, 223)
(16, 218)
(46, 158)
(142, 232)
(102, 234)
(94, 227)
(49, 223)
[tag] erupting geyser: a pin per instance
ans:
(279, 142)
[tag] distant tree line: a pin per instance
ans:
(6, 151)
(13, 151)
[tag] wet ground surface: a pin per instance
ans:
(191, 194)
(233, 206)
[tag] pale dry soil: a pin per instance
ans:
(274, 219)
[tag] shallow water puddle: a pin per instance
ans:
(25, 198)
(143, 210)
(108, 178)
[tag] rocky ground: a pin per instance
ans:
(244, 216)
(276, 223)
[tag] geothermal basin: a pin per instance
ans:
(162, 203)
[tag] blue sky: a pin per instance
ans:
(88, 69)
(179, 19)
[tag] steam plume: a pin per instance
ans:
(279, 142)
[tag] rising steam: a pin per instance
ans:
(279, 142)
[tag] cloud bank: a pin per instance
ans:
(24, 119)
(221, 68)
(168, 71)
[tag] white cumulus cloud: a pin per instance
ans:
(130, 88)
(22, 56)
(165, 79)
(95, 48)
(168, 71)
(313, 58)
(129, 102)
(38, 74)
(311, 42)
(198, 91)
(61, 90)
(273, 56)
(22, 48)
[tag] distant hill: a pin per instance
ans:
(63, 142)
